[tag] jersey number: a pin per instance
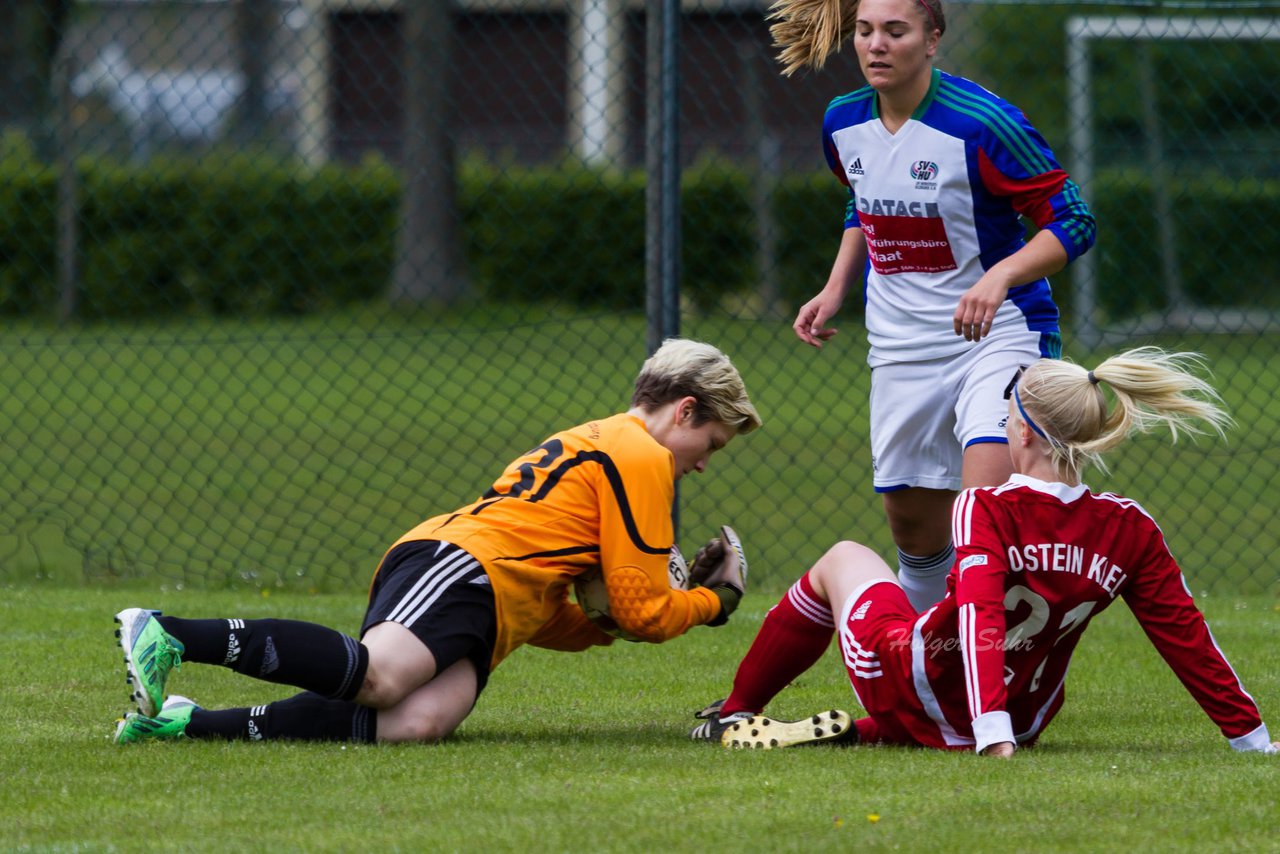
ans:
(552, 449)
(1035, 622)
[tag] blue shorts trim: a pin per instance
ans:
(988, 440)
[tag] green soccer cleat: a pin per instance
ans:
(170, 723)
(765, 733)
(149, 654)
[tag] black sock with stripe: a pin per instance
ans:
(287, 652)
(304, 717)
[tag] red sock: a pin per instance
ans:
(794, 635)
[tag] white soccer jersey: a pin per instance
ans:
(939, 202)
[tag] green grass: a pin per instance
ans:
(288, 454)
(587, 752)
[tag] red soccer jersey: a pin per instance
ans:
(1035, 562)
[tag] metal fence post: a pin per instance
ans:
(662, 168)
(662, 190)
(68, 193)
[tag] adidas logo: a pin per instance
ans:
(256, 713)
(233, 650)
(270, 658)
(479, 579)
(856, 168)
(861, 612)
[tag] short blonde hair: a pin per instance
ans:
(685, 368)
(1152, 388)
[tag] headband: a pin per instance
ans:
(929, 12)
(1017, 398)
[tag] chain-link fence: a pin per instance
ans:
(280, 278)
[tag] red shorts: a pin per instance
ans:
(875, 629)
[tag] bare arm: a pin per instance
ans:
(811, 321)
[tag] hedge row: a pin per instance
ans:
(238, 237)
(566, 233)
(1224, 238)
(243, 237)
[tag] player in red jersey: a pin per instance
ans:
(1036, 559)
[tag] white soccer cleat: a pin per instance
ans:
(764, 733)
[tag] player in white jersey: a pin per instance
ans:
(1037, 558)
(941, 174)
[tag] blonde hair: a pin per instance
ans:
(685, 368)
(809, 31)
(1152, 388)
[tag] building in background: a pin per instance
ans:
(153, 75)
(516, 96)
(532, 80)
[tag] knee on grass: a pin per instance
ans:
(413, 728)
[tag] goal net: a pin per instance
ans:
(1130, 39)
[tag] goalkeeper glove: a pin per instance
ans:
(721, 566)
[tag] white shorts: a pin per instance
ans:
(924, 414)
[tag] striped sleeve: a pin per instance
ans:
(1015, 162)
(980, 574)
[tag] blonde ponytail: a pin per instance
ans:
(809, 31)
(1152, 388)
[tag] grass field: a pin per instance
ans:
(259, 469)
(586, 752)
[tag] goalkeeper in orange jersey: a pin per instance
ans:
(458, 593)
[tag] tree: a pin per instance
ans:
(253, 26)
(30, 34)
(430, 267)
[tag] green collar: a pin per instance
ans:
(935, 78)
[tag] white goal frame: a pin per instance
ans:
(1081, 31)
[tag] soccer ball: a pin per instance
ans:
(593, 597)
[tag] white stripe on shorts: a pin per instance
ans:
(430, 586)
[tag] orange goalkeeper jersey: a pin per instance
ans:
(597, 495)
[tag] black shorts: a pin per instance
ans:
(441, 594)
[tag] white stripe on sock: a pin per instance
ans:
(810, 607)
